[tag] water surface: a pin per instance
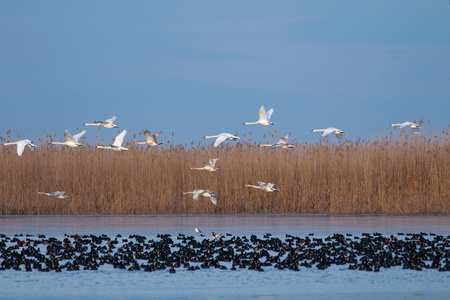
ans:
(336, 281)
(234, 224)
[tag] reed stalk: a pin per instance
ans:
(402, 174)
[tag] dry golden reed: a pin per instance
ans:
(403, 175)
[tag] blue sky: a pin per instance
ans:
(200, 68)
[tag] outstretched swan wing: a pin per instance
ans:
(222, 137)
(328, 131)
(284, 139)
(68, 137)
(119, 139)
(21, 146)
(111, 120)
(404, 124)
(57, 193)
(197, 194)
(213, 161)
(269, 114)
(262, 114)
(149, 136)
(156, 136)
(77, 136)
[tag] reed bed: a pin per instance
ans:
(405, 174)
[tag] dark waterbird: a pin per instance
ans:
(370, 252)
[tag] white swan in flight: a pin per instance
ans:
(71, 141)
(282, 143)
(264, 118)
(222, 137)
(57, 194)
(107, 123)
(117, 145)
(209, 166)
(330, 130)
(152, 139)
(205, 193)
(21, 145)
(267, 187)
(414, 127)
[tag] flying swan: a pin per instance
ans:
(117, 145)
(71, 141)
(222, 137)
(57, 194)
(107, 123)
(209, 166)
(414, 127)
(21, 145)
(205, 193)
(264, 117)
(282, 143)
(330, 130)
(267, 187)
(152, 139)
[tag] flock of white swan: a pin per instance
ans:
(152, 140)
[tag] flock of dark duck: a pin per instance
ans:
(369, 252)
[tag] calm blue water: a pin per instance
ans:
(336, 281)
